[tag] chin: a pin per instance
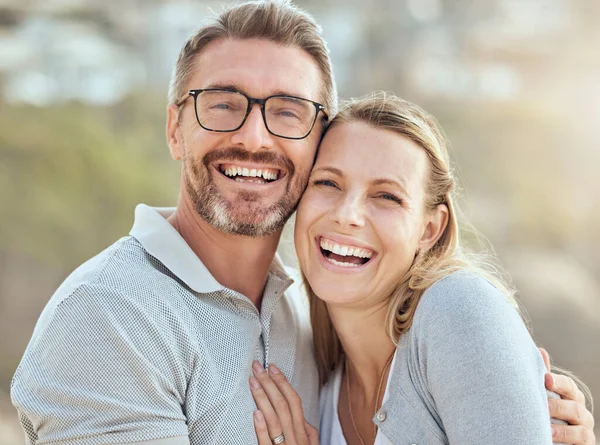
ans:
(336, 291)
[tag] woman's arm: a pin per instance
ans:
(479, 365)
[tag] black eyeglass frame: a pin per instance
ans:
(251, 101)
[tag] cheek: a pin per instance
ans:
(310, 210)
(304, 216)
(313, 205)
(303, 162)
(399, 236)
(302, 152)
(198, 142)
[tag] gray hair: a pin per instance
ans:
(274, 20)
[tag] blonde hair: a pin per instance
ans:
(277, 21)
(389, 112)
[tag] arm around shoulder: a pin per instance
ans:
(480, 365)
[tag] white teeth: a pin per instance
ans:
(250, 173)
(342, 250)
(340, 263)
(254, 181)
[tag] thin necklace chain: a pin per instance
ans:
(388, 363)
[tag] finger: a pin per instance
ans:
(572, 434)
(546, 358)
(294, 403)
(277, 402)
(263, 403)
(566, 387)
(312, 433)
(260, 427)
(570, 411)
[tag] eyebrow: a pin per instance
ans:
(335, 171)
(393, 182)
(236, 87)
(374, 182)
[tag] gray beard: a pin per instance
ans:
(245, 215)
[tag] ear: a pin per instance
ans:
(174, 139)
(435, 224)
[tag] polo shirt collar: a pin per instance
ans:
(161, 240)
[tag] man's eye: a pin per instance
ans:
(221, 106)
(288, 113)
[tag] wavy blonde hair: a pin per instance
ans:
(388, 112)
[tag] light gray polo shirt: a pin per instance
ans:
(141, 343)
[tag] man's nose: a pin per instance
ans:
(253, 135)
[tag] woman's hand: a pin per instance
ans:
(570, 408)
(279, 418)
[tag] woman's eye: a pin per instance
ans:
(325, 183)
(390, 197)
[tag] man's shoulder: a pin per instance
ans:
(124, 258)
(123, 274)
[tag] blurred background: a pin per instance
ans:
(515, 84)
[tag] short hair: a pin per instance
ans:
(273, 20)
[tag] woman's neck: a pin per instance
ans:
(366, 344)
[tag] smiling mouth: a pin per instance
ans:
(252, 175)
(344, 255)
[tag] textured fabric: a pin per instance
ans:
(179, 440)
(141, 343)
(467, 372)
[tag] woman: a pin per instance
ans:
(415, 342)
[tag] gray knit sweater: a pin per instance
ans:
(467, 372)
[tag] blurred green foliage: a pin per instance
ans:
(71, 175)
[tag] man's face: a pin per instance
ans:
(246, 204)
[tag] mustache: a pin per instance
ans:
(239, 154)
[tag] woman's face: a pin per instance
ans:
(362, 217)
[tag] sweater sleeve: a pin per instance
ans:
(479, 366)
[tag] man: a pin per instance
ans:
(152, 341)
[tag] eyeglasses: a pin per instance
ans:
(223, 110)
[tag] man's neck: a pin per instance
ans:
(240, 263)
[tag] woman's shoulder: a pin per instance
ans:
(462, 296)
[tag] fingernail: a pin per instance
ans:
(254, 383)
(258, 417)
(549, 380)
(274, 369)
(554, 432)
(257, 367)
